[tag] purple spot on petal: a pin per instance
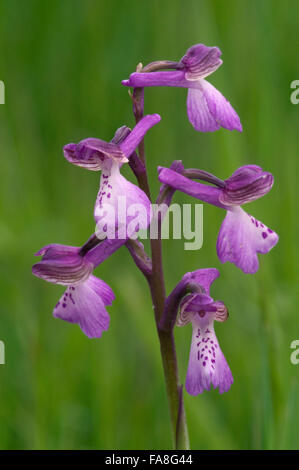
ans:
(269, 230)
(204, 364)
(64, 305)
(264, 234)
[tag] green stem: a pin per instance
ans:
(168, 351)
(173, 389)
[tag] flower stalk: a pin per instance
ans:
(157, 288)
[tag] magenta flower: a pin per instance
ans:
(86, 297)
(116, 194)
(241, 236)
(207, 108)
(207, 364)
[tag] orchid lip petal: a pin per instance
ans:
(208, 109)
(116, 207)
(207, 365)
(85, 305)
(241, 238)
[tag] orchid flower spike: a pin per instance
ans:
(207, 108)
(86, 297)
(207, 364)
(118, 201)
(241, 236)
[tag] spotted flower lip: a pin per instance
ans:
(241, 236)
(207, 108)
(207, 364)
(85, 304)
(117, 205)
(94, 154)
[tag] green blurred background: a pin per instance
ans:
(62, 62)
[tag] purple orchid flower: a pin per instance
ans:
(116, 192)
(207, 108)
(86, 297)
(207, 364)
(241, 236)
